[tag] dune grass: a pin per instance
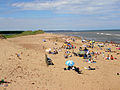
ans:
(24, 34)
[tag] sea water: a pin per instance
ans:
(103, 36)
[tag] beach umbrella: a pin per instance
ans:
(69, 63)
(81, 52)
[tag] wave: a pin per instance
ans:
(117, 34)
(108, 34)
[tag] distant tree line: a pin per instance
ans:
(11, 32)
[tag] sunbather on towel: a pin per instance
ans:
(89, 68)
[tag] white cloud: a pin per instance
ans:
(90, 14)
(72, 6)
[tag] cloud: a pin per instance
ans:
(72, 6)
(85, 14)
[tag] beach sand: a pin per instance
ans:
(30, 72)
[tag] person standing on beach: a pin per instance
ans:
(108, 58)
(111, 57)
(103, 54)
(92, 44)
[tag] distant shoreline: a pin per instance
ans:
(12, 34)
(97, 36)
(20, 31)
(79, 30)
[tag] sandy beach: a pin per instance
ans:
(30, 72)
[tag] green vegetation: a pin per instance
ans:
(24, 34)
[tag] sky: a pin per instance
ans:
(59, 14)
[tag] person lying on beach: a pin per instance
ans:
(80, 48)
(89, 55)
(85, 49)
(66, 55)
(18, 55)
(73, 68)
(90, 61)
(76, 69)
(85, 56)
(107, 49)
(89, 68)
(68, 68)
(54, 52)
(2, 81)
(67, 51)
(75, 54)
(89, 46)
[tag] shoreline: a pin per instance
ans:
(80, 37)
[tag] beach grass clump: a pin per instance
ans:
(24, 33)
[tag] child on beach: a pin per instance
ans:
(103, 54)
(92, 53)
(107, 58)
(111, 57)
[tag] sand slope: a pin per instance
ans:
(32, 73)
